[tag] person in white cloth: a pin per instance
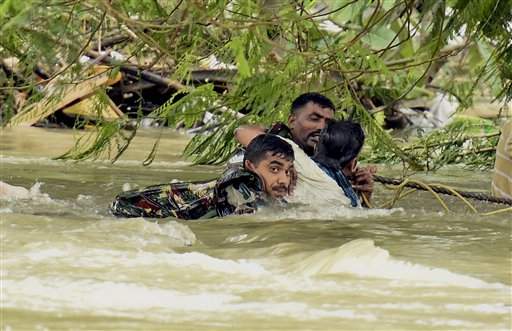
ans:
(324, 178)
(502, 177)
(309, 115)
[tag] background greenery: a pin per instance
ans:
(365, 55)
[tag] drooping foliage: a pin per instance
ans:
(467, 141)
(365, 55)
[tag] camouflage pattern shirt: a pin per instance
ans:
(236, 192)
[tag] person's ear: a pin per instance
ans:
(352, 165)
(249, 166)
(291, 120)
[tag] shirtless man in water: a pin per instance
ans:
(309, 115)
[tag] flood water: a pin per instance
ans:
(66, 264)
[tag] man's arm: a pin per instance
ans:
(246, 133)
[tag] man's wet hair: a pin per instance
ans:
(316, 98)
(340, 142)
(268, 143)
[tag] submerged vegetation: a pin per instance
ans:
(367, 56)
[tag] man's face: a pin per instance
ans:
(275, 172)
(307, 123)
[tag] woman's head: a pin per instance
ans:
(340, 143)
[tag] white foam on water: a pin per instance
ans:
(12, 192)
(437, 322)
(179, 231)
(300, 311)
(315, 212)
(483, 308)
(362, 258)
(121, 298)
(84, 198)
(101, 258)
(138, 228)
(409, 306)
(241, 266)
(127, 187)
(45, 254)
(133, 300)
(236, 239)
(32, 201)
(97, 296)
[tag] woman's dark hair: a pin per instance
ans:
(340, 142)
(268, 143)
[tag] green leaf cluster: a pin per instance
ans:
(374, 55)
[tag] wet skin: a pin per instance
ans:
(307, 123)
(275, 172)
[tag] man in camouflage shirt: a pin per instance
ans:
(264, 178)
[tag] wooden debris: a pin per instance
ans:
(144, 74)
(69, 94)
(94, 108)
(488, 110)
(213, 75)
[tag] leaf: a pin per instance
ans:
(379, 38)
(485, 49)
(388, 4)
(277, 51)
(238, 47)
(351, 13)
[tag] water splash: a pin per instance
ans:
(109, 298)
(12, 192)
(362, 258)
(173, 233)
(314, 212)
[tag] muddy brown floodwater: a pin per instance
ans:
(67, 264)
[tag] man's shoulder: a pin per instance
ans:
(235, 175)
(280, 129)
(238, 191)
